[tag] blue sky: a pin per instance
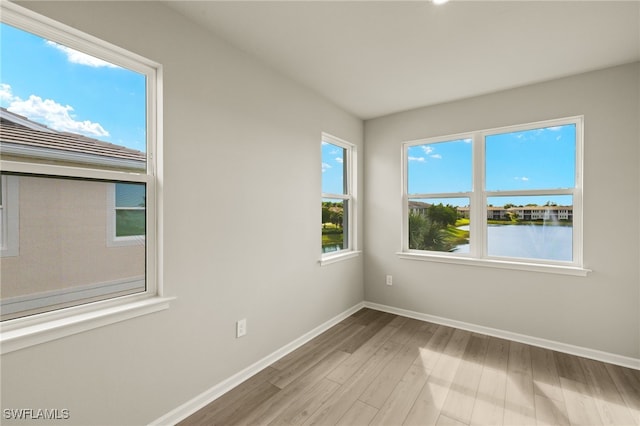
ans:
(71, 91)
(532, 159)
(332, 168)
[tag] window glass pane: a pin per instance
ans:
(334, 225)
(333, 169)
(130, 195)
(536, 227)
(439, 167)
(64, 258)
(439, 224)
(542, 158)
(130, 223)
(68, 107)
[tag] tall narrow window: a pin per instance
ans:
(510, 195)
(338, 200)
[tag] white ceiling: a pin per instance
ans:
(374, 58)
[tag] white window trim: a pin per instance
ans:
(27, 331)
(477, 255)
(112, 239)
(29, 302)
(10, 244)
(351, 161)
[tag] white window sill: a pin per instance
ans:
(29, 331)
(339, 257)
(501, 264)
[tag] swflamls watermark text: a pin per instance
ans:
(36, 414)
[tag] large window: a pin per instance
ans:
(509, 196)
(80, 138)
(338, 197)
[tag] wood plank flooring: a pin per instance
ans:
(376, 368)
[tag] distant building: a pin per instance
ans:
(418, 207)
(50, 223)
(525, 213)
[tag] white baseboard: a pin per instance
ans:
(213, 393)
(530, 340)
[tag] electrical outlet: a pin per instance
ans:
(241, 327)
(389, 280)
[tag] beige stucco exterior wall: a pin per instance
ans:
(63, 224)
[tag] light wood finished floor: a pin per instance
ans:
(376, 368)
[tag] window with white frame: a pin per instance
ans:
(511, 195)
(80, 136)
(126, 224)
(338, 196)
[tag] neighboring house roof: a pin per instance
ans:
(418, 205)
(22, 137)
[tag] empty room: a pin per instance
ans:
(305, 212)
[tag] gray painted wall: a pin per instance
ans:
(241, 230)
(600, 311)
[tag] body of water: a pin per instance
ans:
(527, 241)
(328, 248)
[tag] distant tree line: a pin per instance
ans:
(333, 213)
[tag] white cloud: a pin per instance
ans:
(554, 128)
(55, 115)
(6, 95)
(325, 167)
(80, 58)
(50, 113)
(427, 149)
(418, 159)
(523, 178)
(339, 160)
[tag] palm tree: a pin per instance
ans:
(425, 234)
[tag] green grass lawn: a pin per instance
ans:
(332, 238)
(457, 236)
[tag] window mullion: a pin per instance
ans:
(74, 172)
(522, 192)
(440, 195)
(336, 196)
(478, 226)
